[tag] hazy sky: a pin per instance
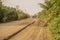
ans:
(28, 6)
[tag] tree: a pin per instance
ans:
(10, 14)
(47, 4)
(53, 14)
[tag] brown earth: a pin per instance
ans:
(33, 32)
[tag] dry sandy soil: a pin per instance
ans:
(33, 32)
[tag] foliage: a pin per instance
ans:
(52, 17)
(10, 14)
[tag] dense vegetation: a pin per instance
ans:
(10, 14)
(51, 15)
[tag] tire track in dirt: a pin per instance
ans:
(7, 29)
(43, 34)
(33, 32)
(24, 34)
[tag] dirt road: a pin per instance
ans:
(9, 28)
(33, 32)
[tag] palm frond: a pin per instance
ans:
(48, 3)
(43, 6)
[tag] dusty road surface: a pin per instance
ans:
(32, 32)
(9, 28)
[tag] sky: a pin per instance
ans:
(28, 6)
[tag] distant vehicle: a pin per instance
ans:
(33, 16)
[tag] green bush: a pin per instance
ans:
(54, 26)
(10, 14)
(52, 16)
